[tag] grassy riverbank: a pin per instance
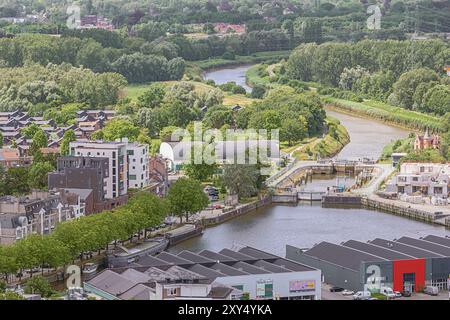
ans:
(386, 113)
(328, 146)
(239, 60)
(259, 75)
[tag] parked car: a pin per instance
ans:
(432, 291)
(336, 289)
(406, 293)
(362, 295)
(388, 292)
(348, 292)
(398, 294)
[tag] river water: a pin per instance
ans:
(306, 224)
(224, 75)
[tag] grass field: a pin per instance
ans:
(134, 91)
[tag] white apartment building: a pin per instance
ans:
(128, 163)
(138, 172)
(116, 184)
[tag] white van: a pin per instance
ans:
(388, 292)
(432, 291)
(362, 295)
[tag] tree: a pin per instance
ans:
(437, 100)
(241, 179)
(405, 87)
(350, 76)
(39, 141)
(258, 92)
(30, 130)
(118, 128)
(293, 130)
(153, 96)
(218, 116)
(38, 174)
(17, 181)
(186, 197)
(68, 137)
(38, 285)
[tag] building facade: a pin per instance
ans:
(227, 274)
(40, 212)
(116, 152)
(425, 179)
(403, 264)
(138, 165)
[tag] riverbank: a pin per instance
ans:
(382, 112)
(407, 119)
(258, 57)
(330, 145)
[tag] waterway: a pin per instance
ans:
(306, 224)
(224, 75)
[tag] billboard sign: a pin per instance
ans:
(302, 285)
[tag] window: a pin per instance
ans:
(130, 152)
(132, 177)
(172, 291)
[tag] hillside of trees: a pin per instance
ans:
(407, 74)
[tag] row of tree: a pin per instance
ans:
(91, 233)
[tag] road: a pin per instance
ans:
(327, 295)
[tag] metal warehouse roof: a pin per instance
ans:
(207, 272)
(294, 266)
(340, 255)
(376, 250)
(244, 266)
(404, 248)
(237, 255)
(252, 252)
(439, 240)
(226, 269)
(216, 256)
(194, 257)
(433, 247)
(270, 267)
(171, 258)
(138, 279)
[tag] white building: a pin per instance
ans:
(128, 163)
(138, 172)
(220, 152)
(116, 183)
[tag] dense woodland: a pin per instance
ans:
(407, 74)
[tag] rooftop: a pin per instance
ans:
(189, 267)
(352, 253)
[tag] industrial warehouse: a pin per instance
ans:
(405, 264)
(227, 274)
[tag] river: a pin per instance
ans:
(306, 224)
(224, 75)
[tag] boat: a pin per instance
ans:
(89, 268)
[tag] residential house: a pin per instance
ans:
(38, 212)
(425, 179)
(427, 141)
